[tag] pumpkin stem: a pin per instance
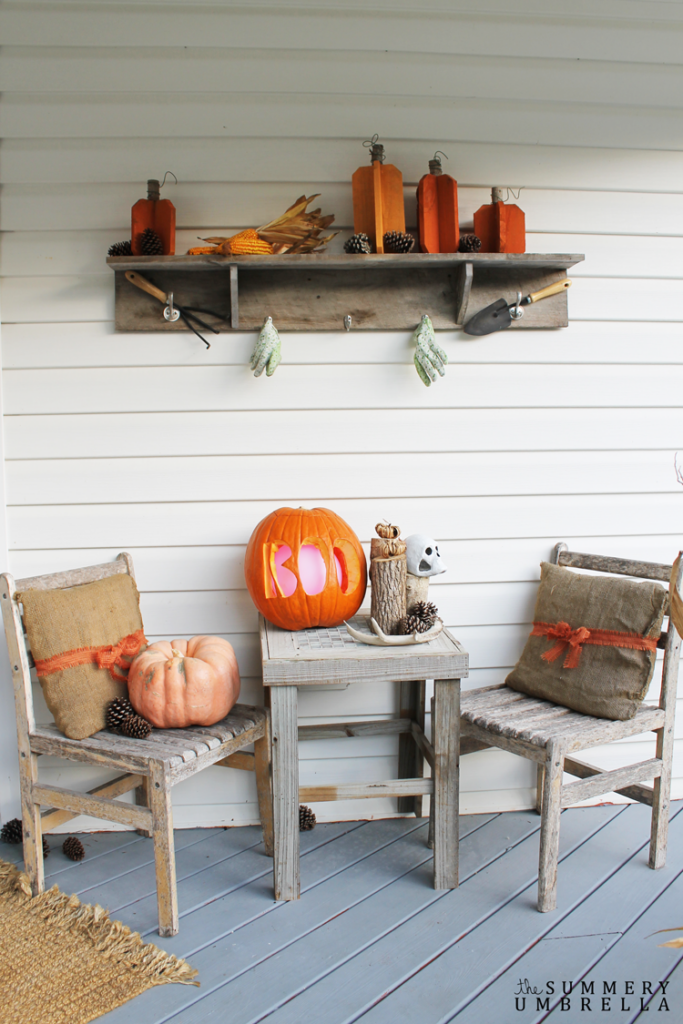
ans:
(176, 654)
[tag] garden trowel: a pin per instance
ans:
(500, 313)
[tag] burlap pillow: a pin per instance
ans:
(83, 624)
(598, 673)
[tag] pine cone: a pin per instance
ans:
(469, 243)
(46, 848)
(12, 831)
(120, 249)
(136, 727)
(358, 243)
(426, 612)
(306, 818)
(118, 710)
(398, 241)
(73, 848)
(409, 625)
(150, 243)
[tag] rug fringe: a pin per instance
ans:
(111, 938)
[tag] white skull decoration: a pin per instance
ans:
(422, 555)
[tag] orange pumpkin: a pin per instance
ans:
(186, 682)
(305, 568)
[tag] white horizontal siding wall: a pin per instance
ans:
(151, 444)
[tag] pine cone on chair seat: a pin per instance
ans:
(306, 818)
(469, 243)
(398, 241)
(118, 710)
(73, 848)
(12, 831)
(150, 243)
(136, 727)
(120, 249)
(358, 243)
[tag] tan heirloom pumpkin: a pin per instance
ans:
(305, 568)
(186, 682)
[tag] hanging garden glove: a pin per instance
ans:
(267, 353)
(429, 358)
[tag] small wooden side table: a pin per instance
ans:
(319, 657)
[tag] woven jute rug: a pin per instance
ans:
(65, 962)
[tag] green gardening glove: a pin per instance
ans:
(267, 353)
(430, 359)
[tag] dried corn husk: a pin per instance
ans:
(296, 231)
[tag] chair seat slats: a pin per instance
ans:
(173, 746)
(536, 721)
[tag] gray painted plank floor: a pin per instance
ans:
(371, 940)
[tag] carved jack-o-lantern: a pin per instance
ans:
(305, 568)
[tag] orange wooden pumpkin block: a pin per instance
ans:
(378, 198)
(500, 225)
(437, 210)
(157, 214)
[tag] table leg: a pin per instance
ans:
(410, 759)
(284, 718)
(446, 741)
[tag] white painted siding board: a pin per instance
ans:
(187, 70)
(31, 346)
(304, 477)
(574, 431)
(216, 523)
(295, 115)
(88, 206)
(166, 389)
(581, 37)
(38, 161)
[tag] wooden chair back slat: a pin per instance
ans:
(76, 577)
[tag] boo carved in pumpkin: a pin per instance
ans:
(186, 682)
(305, 568)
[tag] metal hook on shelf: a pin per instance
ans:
(517, 313)
(170, 313)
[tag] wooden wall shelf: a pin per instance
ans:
(316, 292)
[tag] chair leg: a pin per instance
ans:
(264, 786)
(30, 820)
(659, 832)
(430, 831)
(164, 850)
(550, 830)
(142, 800)
(540, 775)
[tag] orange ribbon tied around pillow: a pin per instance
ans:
(109, 656)
(572, 640)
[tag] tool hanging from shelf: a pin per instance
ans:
(173, 312)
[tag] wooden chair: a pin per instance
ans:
(152, 766)
(550, 734)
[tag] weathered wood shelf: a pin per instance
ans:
(317, 292)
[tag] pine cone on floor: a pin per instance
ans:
(46, 848)
(398, 241)
(150, 243)
(12, 831)
(135, 727)
(358, 243)
(306, 818)
(118, 710)
(469, 243)
(120, 249)
(73, 848)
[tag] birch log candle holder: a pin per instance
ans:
(388, 572)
